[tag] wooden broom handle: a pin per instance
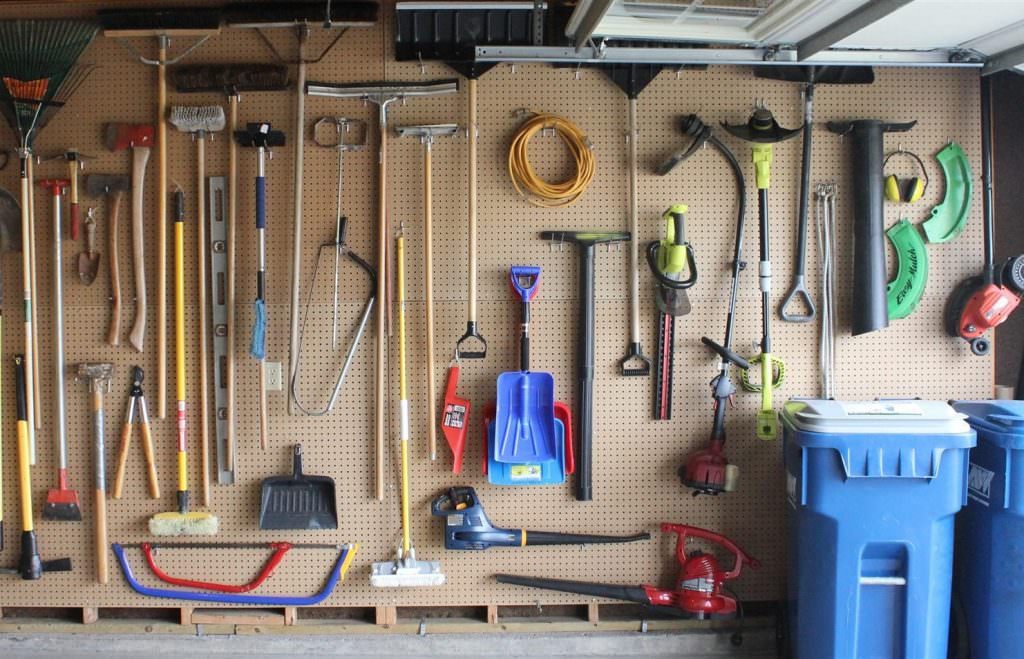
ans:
(202, 251)
(161, 228)
(383, 308)
(428, 267)
(113, 213)
(140, 157)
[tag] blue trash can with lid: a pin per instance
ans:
(871, 492)
(990, 531)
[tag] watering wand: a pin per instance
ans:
(468, 527)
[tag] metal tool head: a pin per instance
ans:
(585, 238)
(197, 119)
(382, 92)
(259, 135)
(70, 155)
(101, 185)
(340, 133)
(427, 132)
(94, 370)
(129, 136)
(10, 222)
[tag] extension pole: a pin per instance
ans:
(403, 403)
(382, 292)
(28, 307)
(300, 128)
(161, 226)
(35, 417)
(428, 267)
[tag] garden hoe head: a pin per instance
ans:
(298, 501)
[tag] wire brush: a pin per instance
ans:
(525, 179)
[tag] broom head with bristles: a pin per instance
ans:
(197, 119)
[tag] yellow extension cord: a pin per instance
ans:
(525, 179)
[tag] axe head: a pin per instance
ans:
(259, 135)
(99, 185)
(125, 136)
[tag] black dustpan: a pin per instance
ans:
(298, 501)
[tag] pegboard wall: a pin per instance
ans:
(635, 457)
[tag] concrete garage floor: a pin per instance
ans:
(757, 643)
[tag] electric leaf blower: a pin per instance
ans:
(467, 527)
(698, 591)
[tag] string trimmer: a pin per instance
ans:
(979, 303)
(699, 590)
(467, 527)
(762, 130)
(672, 265)
(708, 470)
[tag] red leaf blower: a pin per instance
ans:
(982, 302)
(698, 591)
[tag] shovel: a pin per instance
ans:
(525, 417)
(298, 501)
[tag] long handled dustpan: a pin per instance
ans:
(525, 418)
(298, 501)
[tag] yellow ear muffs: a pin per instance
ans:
(905, 190)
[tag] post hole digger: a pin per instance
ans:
(466, 526)
(258, 135)
(181, 521)
(61, 502)
(426, 134)
(707, 470)
(30, 566)
(762, 130)
(674, 269)
(982, 302)
(382, 94)
(39, 73)
(698, 591)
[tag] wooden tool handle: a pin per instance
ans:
(76, 218)
(229, 289)
(147, 449)
(139, 160)
(122, 460)
(201, 254)
(383, 308)
(102, 569)
(113, 213)
(264, 424)
(428, 267)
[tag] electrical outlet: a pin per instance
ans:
(274, 379)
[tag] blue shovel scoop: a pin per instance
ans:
(525, 416)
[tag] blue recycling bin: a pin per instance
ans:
(872, 489)
(990, 531)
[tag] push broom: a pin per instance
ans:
(405, 570)
(38, 72)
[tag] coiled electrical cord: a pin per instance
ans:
(525, 179)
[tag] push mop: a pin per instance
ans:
(405, 570)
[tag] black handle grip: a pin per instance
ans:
(611, 591)
(726, 354)
(554, 538)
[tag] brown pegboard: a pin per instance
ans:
(635, 458)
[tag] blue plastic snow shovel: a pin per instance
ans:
(524, 429)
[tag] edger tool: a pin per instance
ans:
(699, 590)
(707, 470)
(383, 94)
(138, 138)
(113, 188)
(30, 565)
(762, 130)
(587, 242)
(982, 302)
(467, 527)
(61, 502)
(869, 309)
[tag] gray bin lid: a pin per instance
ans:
(880, 417)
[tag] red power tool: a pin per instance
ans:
(696, 593)
(982, 302)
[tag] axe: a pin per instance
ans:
(113, 188)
